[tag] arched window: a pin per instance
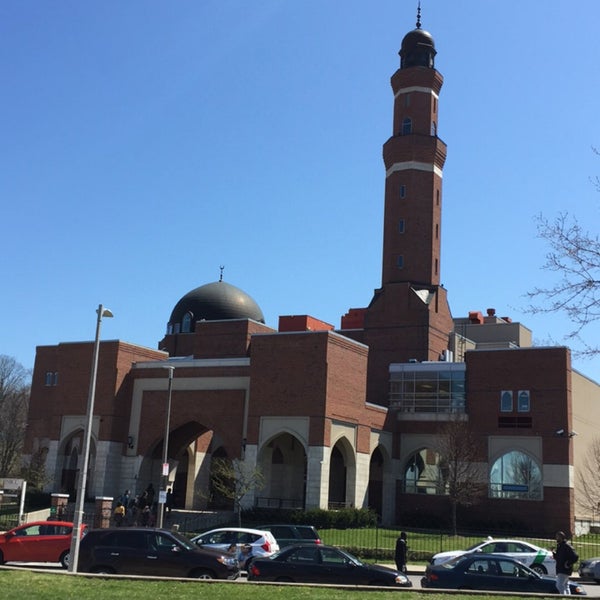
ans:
(516, 475)
(406, 126)
(423, 473)
(186, 323)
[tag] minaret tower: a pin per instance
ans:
(408, 317)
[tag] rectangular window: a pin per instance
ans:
(506, 401)
(401, 226)
(51, 378)
(523, 401)
(400, 261)
(402, 191)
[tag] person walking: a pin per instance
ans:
(565, 557)
(401, 552)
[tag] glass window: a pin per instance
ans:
(523, 401)
(423, 473)
(506, 401)
(400, 261)
(186, 323)
(402, 191)
(406, 126)
(433, 128)
(401, 226)
(516, 475)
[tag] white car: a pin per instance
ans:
(538, 559)
(263, 543)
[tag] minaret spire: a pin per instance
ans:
(419, 15)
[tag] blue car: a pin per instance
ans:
(491, 572)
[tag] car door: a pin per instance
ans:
(166, 556)
(302, 564)
(125, 551)
(28, 545)
(481, 574)
(336, 567)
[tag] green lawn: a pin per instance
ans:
(20, 584)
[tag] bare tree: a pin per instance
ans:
(588, 481)
(234, 479)
(575, 256)
(461, 470)
(14, 401)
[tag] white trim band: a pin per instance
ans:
(414, 165)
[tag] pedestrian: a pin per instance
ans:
(119, 514)
(145, 516)
(565, 557)
(169, 502)
(401, 553)
(245, 556)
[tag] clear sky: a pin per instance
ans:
(144, 144)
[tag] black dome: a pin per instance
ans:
(213, 302)
(417, 50)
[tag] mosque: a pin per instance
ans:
(335, 416)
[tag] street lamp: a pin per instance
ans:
(87, 437)
(162, 496)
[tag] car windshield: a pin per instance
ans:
(351, 557)
(450, 564)
(185, 542)
(473, 547)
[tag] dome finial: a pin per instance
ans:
(419, 15)
(222, 267)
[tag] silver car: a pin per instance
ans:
(233, 539)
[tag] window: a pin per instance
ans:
(186, 323)
(516, 475)
(407, 100)
(506, 401)
(433, 128)
(401, 226)
(400, 262)
(406, 126)
(423, 473)
(523, 401)
(428, 388)
(434, 105)
(437, 197)
(51, 378)
(437, 231)
(402, 191)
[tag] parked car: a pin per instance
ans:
(590, 569)
(148, 551)
(536, 558)
(317, 563)
(491, 572)
(263, 543)
(287, 535)
(39, 541)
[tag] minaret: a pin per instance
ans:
(408, 317)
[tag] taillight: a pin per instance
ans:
(266, 546)
(318, 541)
(254, 570)
(432, 576)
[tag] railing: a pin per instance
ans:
(287, 503)
(427, 405)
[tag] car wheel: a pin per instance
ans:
(539, 569)
(202, 574)
(1, 558)
(596, 580)
(285, 580)
(103, 571)
(65, 559)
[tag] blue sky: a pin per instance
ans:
(145, 144)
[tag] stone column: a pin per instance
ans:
(103, 512)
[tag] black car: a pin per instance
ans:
(491, 572)
(147, 551)
(287, 535)
(312, 563)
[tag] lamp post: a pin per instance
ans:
(87, 438)
(162, 497)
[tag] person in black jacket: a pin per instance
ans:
(565, 557)
(401, 552)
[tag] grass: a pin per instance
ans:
(17, 584)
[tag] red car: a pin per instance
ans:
(40, 541)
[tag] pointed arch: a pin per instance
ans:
(342, 474)
(282, 461)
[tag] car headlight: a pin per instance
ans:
(401, 579)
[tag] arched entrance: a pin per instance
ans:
(282, 462)
(69, 464)
(342, 475)
(375, 490)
